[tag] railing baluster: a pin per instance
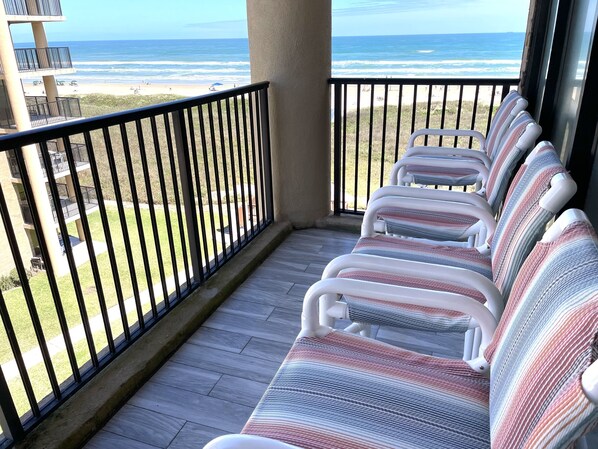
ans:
(356, 180)
(399, 111)
(256, 179)
(177, 198)
(428, 112)
(384, 117)
(233, 179)
(344, 166)
(206, 165)
(182, 146)
(165, 203)
(443, 113)
(202, 222)
(241, 174)
(370, 148)
(217, 180)
(266, 154)
(337, 150)
(225, 177)
(247, 165)
(474, 112)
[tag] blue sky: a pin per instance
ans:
(187, 19)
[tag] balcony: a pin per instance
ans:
(43, 112)
(51, 59)
(58, 160)
(21, 8)
(68, 204)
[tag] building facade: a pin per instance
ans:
(21, 69)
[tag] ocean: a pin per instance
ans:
(227, 60)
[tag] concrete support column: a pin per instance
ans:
(290, 46)
(41, 41)
(21, 116)
(70, 188)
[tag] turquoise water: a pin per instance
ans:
(227, 60)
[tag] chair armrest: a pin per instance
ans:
(371, 213)
(450, 152)
(311, 327)
(246, 441)
(420, 270)
(399, 168)
(448, 132)
(432, 194)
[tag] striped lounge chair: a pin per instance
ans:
(338, 390)
(453, 225)
(429, 224)
(510, 107)
(539, 190)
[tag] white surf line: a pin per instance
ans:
(77, 333)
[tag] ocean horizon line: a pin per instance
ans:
(246, 39)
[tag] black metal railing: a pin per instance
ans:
(58, 159)
(34, 59)
(32, 7)
(43, 112)
(374, 117)
(180, 188)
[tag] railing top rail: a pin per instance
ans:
(69, 128)
(421, 81)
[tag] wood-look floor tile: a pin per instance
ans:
(195, 436)
(263, 329)
(109, 440)
(238, 390)
(186, 377)
(145, 426)
(200, 409)
(224, 362)
(219, 339)
(267, 349)
(248, 309)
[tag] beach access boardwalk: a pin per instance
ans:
(210, 386)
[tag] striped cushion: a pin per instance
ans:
(501, 121)
(442, 176)
(543, 344)
(523, 221)
(365, 310)
(388, 246)
(346, 391)
(505, 160)
(429, 225)
(463, 177)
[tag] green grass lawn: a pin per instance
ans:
(46, 309)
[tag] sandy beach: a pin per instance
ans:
(86, 88)
(192, 90)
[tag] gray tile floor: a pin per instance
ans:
(213, 382)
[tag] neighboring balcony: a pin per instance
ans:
(21, 10)
(55, 60)
(68, 204)
(59, 162)
(43, 112)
